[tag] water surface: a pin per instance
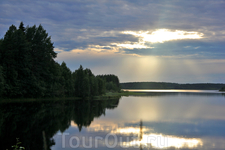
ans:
(161, 120)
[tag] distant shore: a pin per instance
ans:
(168, 85)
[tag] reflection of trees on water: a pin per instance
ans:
(31, 121)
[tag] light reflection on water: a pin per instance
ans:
(169, 121)
(148, 137)
(165, 141)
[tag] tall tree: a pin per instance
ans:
(42, 54)
(1, 81)
(66, 76)
(21, 27)
(78, 84)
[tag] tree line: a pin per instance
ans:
(167, 85)
(28, 68)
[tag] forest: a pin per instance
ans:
(28, 69)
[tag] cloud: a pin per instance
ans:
(128, 26)
(103, 16)
(158, 36)
(191, 30)
(162, 35)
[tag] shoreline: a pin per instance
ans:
(106, 96)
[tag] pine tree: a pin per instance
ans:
(78, 84)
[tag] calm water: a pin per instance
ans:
(161, 120)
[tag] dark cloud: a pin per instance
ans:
(196, 49)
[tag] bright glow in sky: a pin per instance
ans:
(157, 36)
(162, 35)
(147, 68)
(131, 46)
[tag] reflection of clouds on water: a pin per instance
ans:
(150, 138)
(165, 141)
(187, 121)
(158, 135)
(170, 108)
(116, 129)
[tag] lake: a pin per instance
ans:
(161, 120)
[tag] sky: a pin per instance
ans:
(137, 40)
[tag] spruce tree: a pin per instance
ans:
(21, 27)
